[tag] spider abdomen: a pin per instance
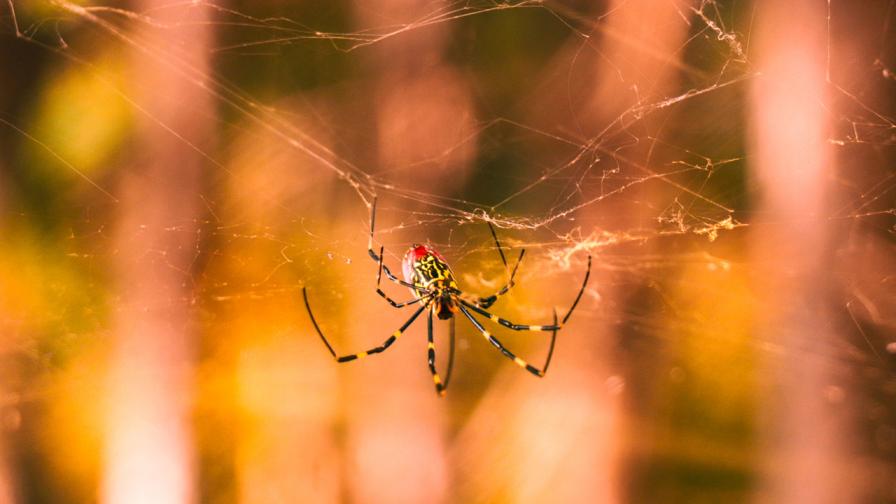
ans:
(426, 268)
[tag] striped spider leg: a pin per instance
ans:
(510, 355)
(465, 305)
(426, 300)
(441, 385)
(486, 302)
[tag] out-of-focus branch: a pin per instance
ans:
(792, 165)
(149, 444)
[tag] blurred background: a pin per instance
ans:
(173, 174)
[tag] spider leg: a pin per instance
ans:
(495, 236)
(523, 327)
(379, 258)
(486, 302)
(579, 295)
(441, 386)
(394, 278)
(450, 351)
(507, 353)
(391, 301)
(401, 305)
(547, 362)
(375, 350)
(506, 323)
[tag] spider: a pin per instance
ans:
(428, 276)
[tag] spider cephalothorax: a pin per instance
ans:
(428, 272)
(427, 275)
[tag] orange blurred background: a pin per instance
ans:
(173, 174)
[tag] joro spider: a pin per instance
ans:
(428, 276)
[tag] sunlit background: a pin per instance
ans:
(174, 173)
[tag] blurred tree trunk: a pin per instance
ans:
(9, 399)
(806, 438)
(639, 63)
(285, 386)
(8, 337)
(149, 444)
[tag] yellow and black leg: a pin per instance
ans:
(375, 350)
(487, 301)
(391, 301)
(508, 324)
(379, 257)
(522, 327)
(385, 269)
(405, 303)
(441, 385)
(507, 353)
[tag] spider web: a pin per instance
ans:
(567, 149)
